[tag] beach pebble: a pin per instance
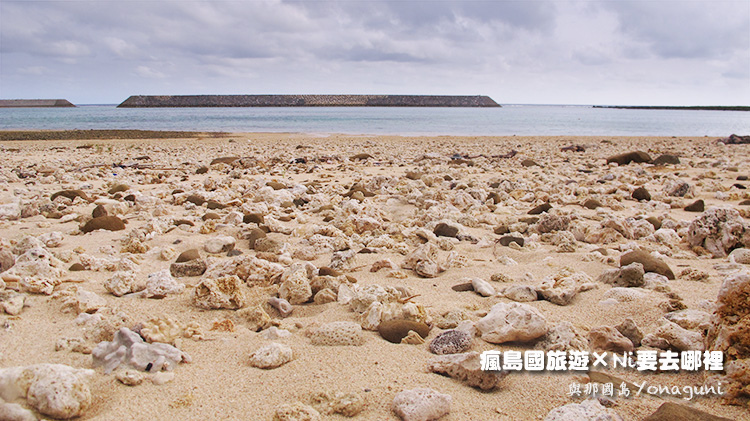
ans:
(295, 287)
(508, 322)
(130, 377)
(11, 302)
(444, 229)
(563, 336)
(630, 330)
(271, 356)
(16, 412)
(482, 287)
(347, 404)
(741, 256)
(129, 349)
(667, 159)
(7, 260)
(680, 338)
(162, 377)
(55, 390)
(466, 368)
(281, 305)
(195, 267)
(220, 244)
(124, 282)
(397, 329)
(697, 206)
(188, 255)
(629, 157)
(273, 333)
(109, 223)
(627, 276)
(690, 319)
(451, 342)
(641, 194)
(421, 404)
(520, 293)
(562, 287)
(337, 334)
(649, 262)
(160, 284)
(607, 338)
(589, 409)
(718, 230)
(225, 292)
(679, 188)
(70, 194)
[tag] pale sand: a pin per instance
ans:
(220, 383)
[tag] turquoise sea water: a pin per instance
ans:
(508, 120)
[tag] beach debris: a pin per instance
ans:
(629, 157)
(56, 390)
(272, 355)
(337, 334)
(396, 330)
(590, 409)
(160, 284)
(128, 348)
(107, 222)
(421, 404)
(220, 244)
(124, 282)
(508, 322)
(648, 261)
(451, 342)
(718, 230)
(608, 338)
(167, 330)
(216, 293)
(630, 330)
(563, 336)
(295, 286)
(520, 293)
(282, 305)
(562, 287)
(729, 334)
(630, 275)
(741, 256)
(466, 368)
(482, 287)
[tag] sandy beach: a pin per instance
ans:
(420, 217)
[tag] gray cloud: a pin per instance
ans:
(517, 51)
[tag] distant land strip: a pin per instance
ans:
(6, 135)
(665, 107)
(150, 101)
(34, 103)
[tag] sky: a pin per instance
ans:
(645, 52)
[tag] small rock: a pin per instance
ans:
(70, 194)
(421, 405)
(680, 338)
(466, 368)
(529, 163)
(338, 334)
(697, 206)
(98, 211)
(224, 292)
(188, 255)
(627, 276)
(196, 199)
(520, 293)
(741, 256)
(589, 409)
(630, 330)
(253, 218)
(7, 260)
(482, 287)
(607, 338)
(507, 239)
(544, 207)
(220, 244)
(667, 159)
(76, 267)
(507, 322)
(563, 336)
(629, 157)
(109, 223)
(671, 411)
(188, 268)
(649, 262)
(445, 230)
(451, 342)
(271, 356)
(396, 330)
(641, 194)
(130, 377)
(281, 305)
(592, 204)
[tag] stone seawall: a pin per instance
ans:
(34, 103)
(150, 101)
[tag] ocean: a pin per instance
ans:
(522, 120)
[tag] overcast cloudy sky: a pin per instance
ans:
(657, 52)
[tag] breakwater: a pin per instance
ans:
(34, 103)
(152, 101)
